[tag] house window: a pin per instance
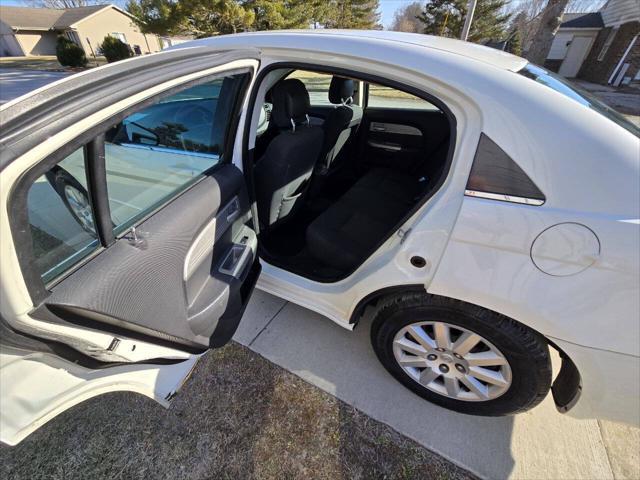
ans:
(73, 36)
(119, 36)
(607, 43)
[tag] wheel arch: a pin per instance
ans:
(566, 387)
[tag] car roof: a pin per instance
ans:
(315, 39)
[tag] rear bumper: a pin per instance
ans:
(610, 384)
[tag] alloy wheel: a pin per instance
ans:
(452, 361)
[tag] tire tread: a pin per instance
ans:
(530, 340)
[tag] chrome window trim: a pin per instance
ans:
(504, 198)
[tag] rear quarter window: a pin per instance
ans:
(566, 88)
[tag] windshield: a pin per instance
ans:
(563, 86)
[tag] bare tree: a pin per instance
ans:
(405, 19)
(62, 3)
(550, 21)
(526, 15)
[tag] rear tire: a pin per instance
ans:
(519, 385)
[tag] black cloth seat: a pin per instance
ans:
(341, 122)
(344, 234)
(282, 175)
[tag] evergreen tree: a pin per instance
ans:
(280, 14)
(205, 18)
(214, 17)
(354, 14)
(514, 42)
(446, 18)
(162, 17)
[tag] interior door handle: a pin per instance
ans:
(391, 147)
(232, 210)
(236, 259)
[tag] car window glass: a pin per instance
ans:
(317, 85)
(60, 217)
(568, 89)
(160, 150)
(387, 97)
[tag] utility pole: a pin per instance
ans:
(467, 21)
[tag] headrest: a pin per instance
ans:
(290, 101)
(341, 89)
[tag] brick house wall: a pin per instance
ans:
(600, 71)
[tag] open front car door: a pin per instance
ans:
(128, 246)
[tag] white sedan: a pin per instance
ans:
(486, 209)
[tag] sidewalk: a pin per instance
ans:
(540, 444)
(624, 99)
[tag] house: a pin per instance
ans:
(614, 58)
(572, 42)
(34, 31)
(600, 47)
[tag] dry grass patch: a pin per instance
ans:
(239, 416)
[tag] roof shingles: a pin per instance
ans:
(45, 18)
(582, 20)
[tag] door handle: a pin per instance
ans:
(235, 260)
(232, 210)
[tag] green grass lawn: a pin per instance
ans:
(44, 62)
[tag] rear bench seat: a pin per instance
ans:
(345, 233)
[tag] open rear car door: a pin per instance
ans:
(127, 246)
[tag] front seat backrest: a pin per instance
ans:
(282, 174)
(340, 122)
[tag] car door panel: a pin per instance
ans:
(166, 280)
(400, 138)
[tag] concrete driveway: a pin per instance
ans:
(540, 444)
(15, 82)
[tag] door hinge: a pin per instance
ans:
(403, 234)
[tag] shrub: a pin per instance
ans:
(114, 49)
(69, 54)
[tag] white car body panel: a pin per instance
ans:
(43, 386)
(608, 389)
(476, 250)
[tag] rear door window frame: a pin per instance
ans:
(92, 140)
